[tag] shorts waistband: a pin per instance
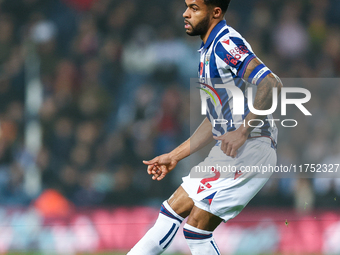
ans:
(266, 139)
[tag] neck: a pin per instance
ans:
(205, 36)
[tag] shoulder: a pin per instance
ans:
(231, 40)
(233, 44)
(233, 50)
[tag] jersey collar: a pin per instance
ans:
(213, 34)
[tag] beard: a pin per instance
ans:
(201, 28)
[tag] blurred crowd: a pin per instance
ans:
(116, 76)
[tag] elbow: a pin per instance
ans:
(277, 83)
(279, 86)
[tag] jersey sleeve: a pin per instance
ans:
(233, 53)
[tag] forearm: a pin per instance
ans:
(201, 137)
(263, 101)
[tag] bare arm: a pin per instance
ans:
(163, 164)
(232, 141)
(263, 98)
(200, 138)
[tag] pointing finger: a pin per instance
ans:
(150, 162)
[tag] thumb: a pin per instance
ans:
(150, 162)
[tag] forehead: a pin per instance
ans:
(199, 3)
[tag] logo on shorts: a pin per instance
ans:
(238, 173)
(205, 183)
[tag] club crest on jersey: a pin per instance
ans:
(207, 58)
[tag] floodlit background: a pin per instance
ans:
(90, 88)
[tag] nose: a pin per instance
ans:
(186, 13)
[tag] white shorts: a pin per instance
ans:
(224, 185)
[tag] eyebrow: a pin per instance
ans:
(191, 5)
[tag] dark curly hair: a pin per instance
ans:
(223, 4)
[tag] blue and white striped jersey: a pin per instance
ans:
(224, 59)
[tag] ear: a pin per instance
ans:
(217, 13)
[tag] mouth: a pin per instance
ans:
(187, 24)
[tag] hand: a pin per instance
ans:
(232, 141)
(160, 166)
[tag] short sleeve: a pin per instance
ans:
(233, 52)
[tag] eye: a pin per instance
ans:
(194, 9)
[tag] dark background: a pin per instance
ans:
(115, 77)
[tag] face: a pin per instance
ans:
(196, 17)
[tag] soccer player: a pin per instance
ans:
(207, 202)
